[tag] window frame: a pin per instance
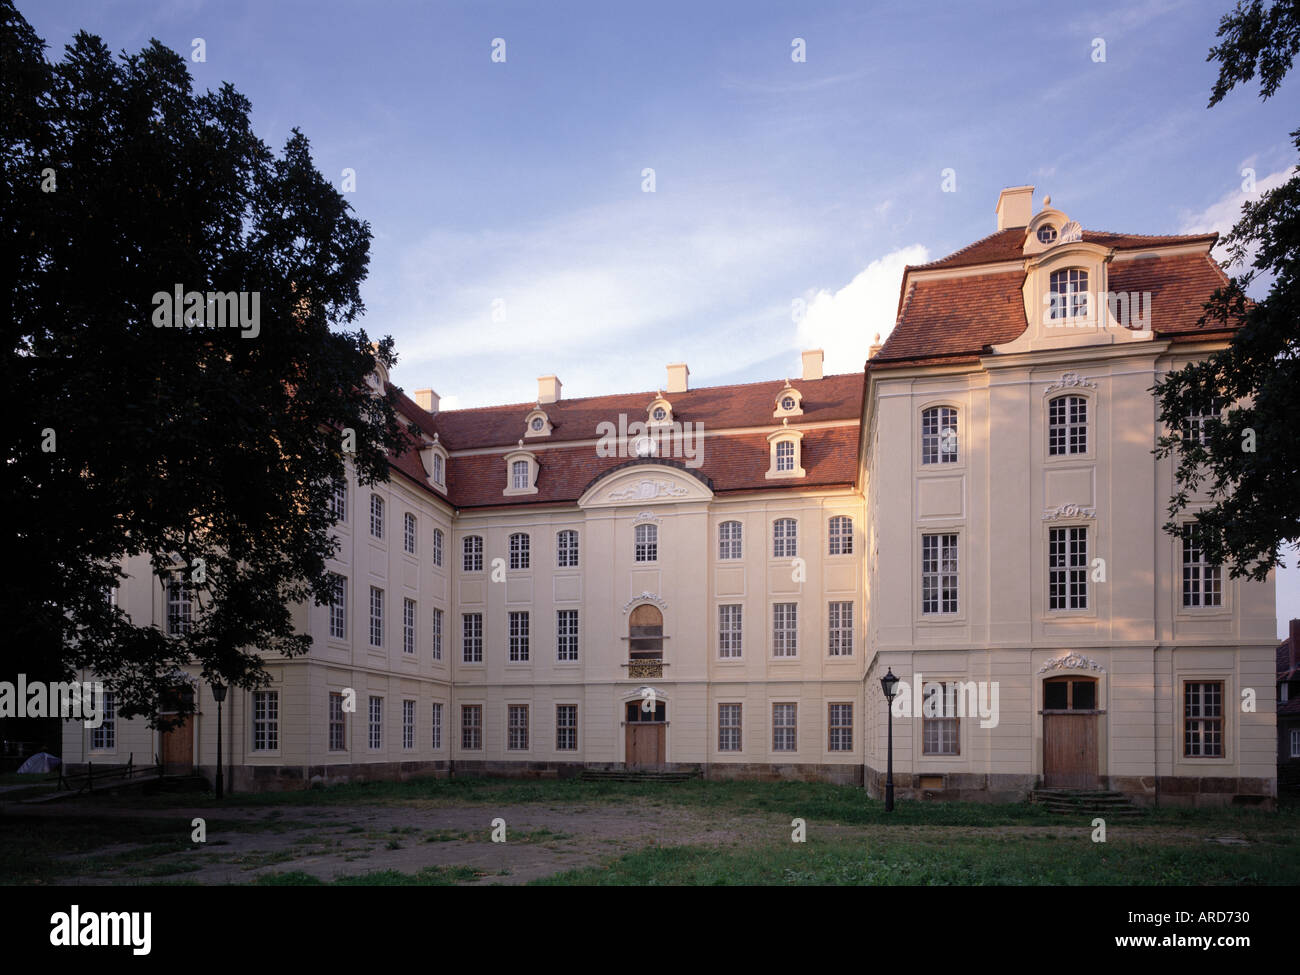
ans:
(1207, 722)
(567, 552)
(376, 516)
(645, 550)
(1067, 570)
(780, 724)
(845, 737)
(839, 535)
(785, 545)
(785, 630)
(934, 421)
(729, 725)
(731, 540)
(1071, 437)
(471, 552)
(936, 580)
(519, 546)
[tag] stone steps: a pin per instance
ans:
(1075, 801)
(638, 775)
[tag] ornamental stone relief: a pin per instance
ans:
(1072, 661)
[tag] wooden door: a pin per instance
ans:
(645, 744)
(178, 749)
(1070, 751)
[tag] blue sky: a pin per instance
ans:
(517, 186)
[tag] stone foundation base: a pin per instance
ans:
(793, 772)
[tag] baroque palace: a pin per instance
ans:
(717, 578)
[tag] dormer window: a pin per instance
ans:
(660, 411)
(521, 472)
(659, 414)
(789, 402)
(537, 423)
(1069, 293)
(434, 456)
(1046, 234)
(784, 459)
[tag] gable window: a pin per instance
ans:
(265, 720)
(471, 727)
(376, 516)
(938, 574)
(785, 727)
(338, 723)
(1067, 425)
(472, 635)
(785, 629)
(376, 617)
(729, 630)
(784, 454)
(437, 547)
(519, 550)
(1046, 234)
(408, 533)
(1203, 719)
(785, 538)
(566, 549)
(1067, 568)
(566, 635)
(939, 435)
(729, 736)
(939, 728)
(839, 629)
(1069, 293)
(1202, 582)
(519, 637)
(566, 727)
(729, 540)
(472, 551)
(338, 606)
(647, 543)
(839, 725)
(521, 472)
(841, 536)
(408, 626)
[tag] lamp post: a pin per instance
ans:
(219, 695)
(889, 684)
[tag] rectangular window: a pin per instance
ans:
(1196, 429)
(437, 547)
(566, 727)
(472, 628)
(785, 629)
(266, 721)
(104, 738)
(566, 549)
(729, 737)
(785, 455)
(1067, 426)
(180, 608)
(785, 538)
(408, 533)
(338, 724)
(518, 637)
(841, 536)
(566, 634)
(729, 540)
(339, 501)
(939, 435)
(339, 607)
(939, 719)
(376, 516)
(938, 574)
(519, 475)
(519, 554)
(1067, 568)
(473, 554)
(408, 626)
(376, 617)
(1202, 582)
(839, 629)
(1203, 719)
(408, 725)
(471, 727)
(436, 719)
(1295, 742)
(376, 738)
(437, 634)
(785, 736)
(839, 727)
(647, 543)
(517, 727)
(729, 630)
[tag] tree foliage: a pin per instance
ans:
(209, 450)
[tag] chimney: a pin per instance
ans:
(812, 364)
(875, 347)
(1015, 207)
(678, 377)
(1295, 645)
(548, 389)
(427, 400)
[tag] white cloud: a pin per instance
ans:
(845, 323)
(1226, 211)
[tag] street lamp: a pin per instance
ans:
(219, 695)
(889, 684)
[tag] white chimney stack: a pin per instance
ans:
(678, 377)
(1015, 207)
(548, 389)
(427, 400)
(812, 364)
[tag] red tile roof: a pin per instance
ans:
(1007, 245)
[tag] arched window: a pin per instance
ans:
(566, 549)
(647, 543)
(1069, 293)
(841, 535)
(645, 631)
(1067, 425)
(519, 550)
(939, 435)
(785, 538)
(473, 553)
(729, 540)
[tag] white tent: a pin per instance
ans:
(40, 762)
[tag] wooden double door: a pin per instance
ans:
(646, 736)
(1070, 719)
(177, 744)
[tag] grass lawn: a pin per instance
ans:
(435, 832)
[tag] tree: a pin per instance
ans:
(1248, 460)
(212, 450)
